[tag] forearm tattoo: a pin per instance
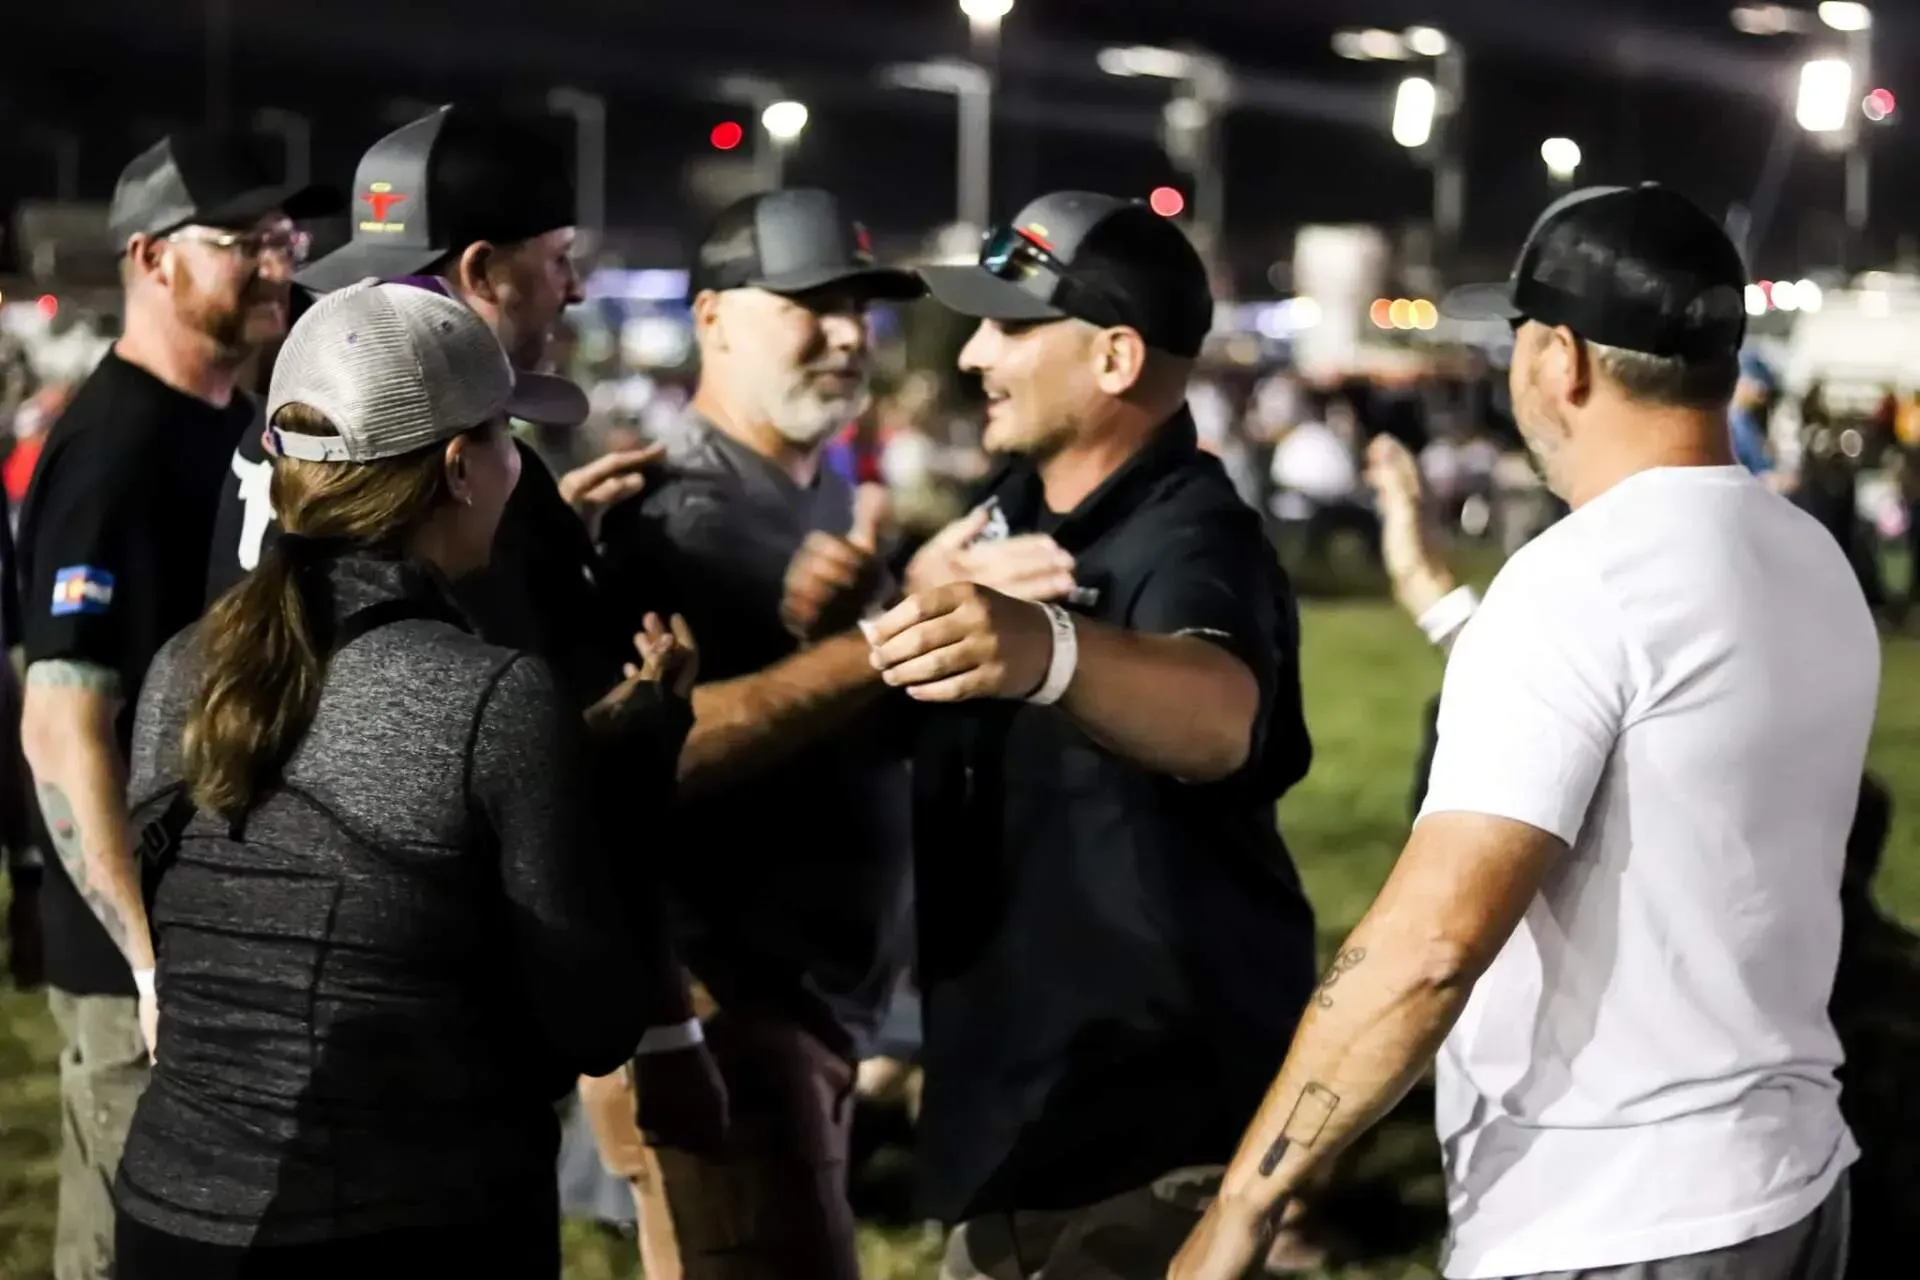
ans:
(1304, 1125)
(70, 846)
(1344, 963)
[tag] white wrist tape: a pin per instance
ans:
(1449, 614)
(671, 1039)
(1065, 660)
(143, 982)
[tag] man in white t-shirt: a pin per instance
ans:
(1617, 919)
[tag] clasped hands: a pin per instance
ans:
(967, 624)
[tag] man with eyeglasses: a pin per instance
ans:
(114, 539)
(1114, 943)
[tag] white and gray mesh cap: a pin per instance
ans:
(396, 368)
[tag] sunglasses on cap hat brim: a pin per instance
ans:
(1019, 280)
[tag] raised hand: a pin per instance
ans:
(592, 489)
(1414, 564)
(832, 580)
(669, 655)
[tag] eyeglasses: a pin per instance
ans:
(294, 245)
(1021, 258)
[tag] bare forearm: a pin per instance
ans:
(81, 783)
(1177, 705)
(1369, 1033)
(747, 723)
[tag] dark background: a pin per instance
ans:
(1662, 89)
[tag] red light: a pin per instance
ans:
(49, 305)
(1167, 202)
(1879, 105)
(726, 135)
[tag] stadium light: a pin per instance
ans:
(1826, 95)
(1562, 157)
(1413, 112)
(784, 121)
(1842, 15)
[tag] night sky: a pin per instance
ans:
(1660, 89)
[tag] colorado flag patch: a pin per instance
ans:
(81, 589)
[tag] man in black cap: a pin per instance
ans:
(794, 912)
(114, 534)
(1618, 917)
(1114, 944)
(480, 206)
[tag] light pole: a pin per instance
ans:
(972, 88)
(769, 153)
(1426, 110)
(1191, 123)
(589, 112)
(1562, 158)
(64, 144)
(1828, 104)
(784, 122)
(296, 134)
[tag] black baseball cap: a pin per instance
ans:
(1093, 257)
(447, 180)
(792, 241)
(208, 179)
(1640, 268)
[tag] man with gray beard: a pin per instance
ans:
(793, 908)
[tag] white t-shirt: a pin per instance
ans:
(1678, 680)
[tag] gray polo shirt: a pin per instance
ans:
(794, 885)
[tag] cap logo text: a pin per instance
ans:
(380, 200)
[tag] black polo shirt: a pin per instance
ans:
(541, 593)
(794, 895)
(1112, 961)
(114, 534)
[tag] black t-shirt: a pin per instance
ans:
(1111, 961)
(541, 592)
(114, 532)
(798, 900)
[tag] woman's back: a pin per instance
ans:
(373, 987)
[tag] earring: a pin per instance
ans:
(468, 500)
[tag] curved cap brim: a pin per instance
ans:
(984, 296)
(353, 262)
(547, 400)
(885, 284)
(1481, 302)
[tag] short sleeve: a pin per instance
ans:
(1536, 694)
(87, 586)
(1225, 589)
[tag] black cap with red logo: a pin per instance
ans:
(447, 180)
(793, 241)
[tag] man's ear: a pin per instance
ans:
(707, 321)
(145, 254)
(1573, 365)
(1121, 360)
(472, 271)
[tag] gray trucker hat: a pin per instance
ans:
(397, 368)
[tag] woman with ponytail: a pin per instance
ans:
(383, 908)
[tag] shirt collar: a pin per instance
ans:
(1017, 484)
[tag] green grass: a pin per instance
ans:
(1367, 676)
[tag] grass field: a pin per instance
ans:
(1367, 676)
